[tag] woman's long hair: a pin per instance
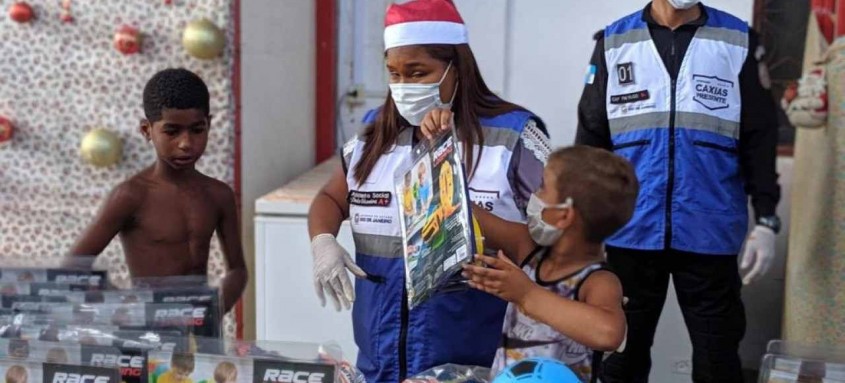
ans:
(472, 101)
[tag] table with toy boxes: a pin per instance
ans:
(68, 325)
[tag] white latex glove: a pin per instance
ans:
(759, 253)
(330, 263)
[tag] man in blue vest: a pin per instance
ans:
(675, 89)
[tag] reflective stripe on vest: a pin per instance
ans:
(639, 87)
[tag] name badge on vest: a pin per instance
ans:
(369, 199)
(712, 92)
(625, 73)
(629, 97)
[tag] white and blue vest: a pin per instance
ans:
(461, 327)
(682, 137)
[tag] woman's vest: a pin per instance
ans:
(456, 327)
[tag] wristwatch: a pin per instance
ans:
(770, 221)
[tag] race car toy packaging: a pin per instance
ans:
(26, 284)
(180, 367)
(131, 359)
(243, 361)
(33, 350)
(152, 339)
(173, 281)
(795, 362)
(788, 369)
(205, 301)
(126, 350)
(66, 293)
(93, 334)
(21, 371)
(176, 367)
(29, 371)
(435, 216)
(10, 301)
(131, 315)
(139, 315)
(190, 290)
(94, 279)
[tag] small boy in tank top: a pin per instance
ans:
(563, 302)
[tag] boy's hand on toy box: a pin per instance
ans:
(501, 278)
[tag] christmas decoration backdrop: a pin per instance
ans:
(60, 80)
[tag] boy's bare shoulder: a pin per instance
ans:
(602, 282)
(604, 277)
(220, 191)
(131, 192)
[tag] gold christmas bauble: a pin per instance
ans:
(203, 40)
(101, 148)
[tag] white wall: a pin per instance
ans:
(277, 99)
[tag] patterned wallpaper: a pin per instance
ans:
(58, 81)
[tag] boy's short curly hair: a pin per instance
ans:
(602, 185)
(174, 88)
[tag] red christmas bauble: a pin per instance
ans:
(127, 40)
(6, 130)
(21, 12)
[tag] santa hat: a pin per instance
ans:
(423, 22)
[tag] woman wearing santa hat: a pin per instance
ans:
(433, 77)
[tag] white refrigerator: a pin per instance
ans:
(287, 308)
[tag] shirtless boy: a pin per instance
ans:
(166, 214)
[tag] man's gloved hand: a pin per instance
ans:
(759, 253)
(330, 263)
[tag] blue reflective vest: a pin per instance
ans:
(461, 327)
(681, 135)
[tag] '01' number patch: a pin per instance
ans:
(625, 73)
